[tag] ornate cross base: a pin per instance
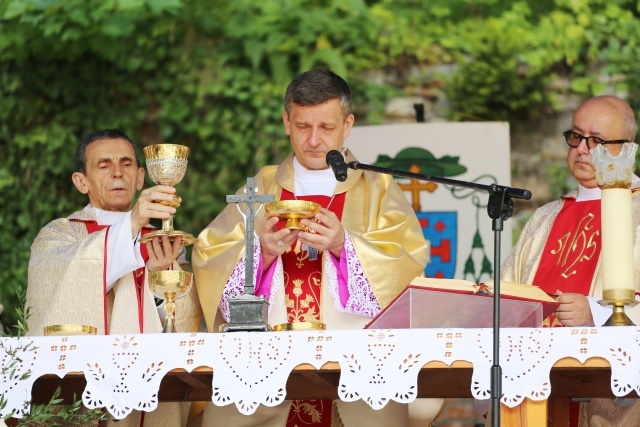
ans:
(247, 313)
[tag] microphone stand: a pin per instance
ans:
(500, 208)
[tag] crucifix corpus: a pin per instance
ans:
(248, 312)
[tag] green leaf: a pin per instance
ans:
(14, 9)
(130, 5)
(581, 85)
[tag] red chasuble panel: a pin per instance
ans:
(570, 258)
(303, 276)
(302, 284)
(571, 253)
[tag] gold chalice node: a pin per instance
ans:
(292, 211)
(170, 285)
(167, 164)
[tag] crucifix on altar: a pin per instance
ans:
(248, 312)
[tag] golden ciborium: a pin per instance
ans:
(167, 164)
(292, 211)
(170, 285)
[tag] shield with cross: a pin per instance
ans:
(439, 228)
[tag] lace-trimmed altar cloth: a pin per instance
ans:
(123, 372)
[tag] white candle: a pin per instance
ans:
(617, 239)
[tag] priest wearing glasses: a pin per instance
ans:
(559, 248)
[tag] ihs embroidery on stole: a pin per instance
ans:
(577, 246)
(572, 255)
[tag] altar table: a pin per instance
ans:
(127, 372)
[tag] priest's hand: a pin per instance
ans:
(162, 252)
(274, 242)
(148, 206)
(325, 232)
(573, 310)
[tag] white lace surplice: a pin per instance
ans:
(361, 297)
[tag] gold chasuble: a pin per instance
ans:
(138, 276)
(385, 232)
(67, 286)
(386, 242)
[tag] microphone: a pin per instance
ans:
(337, 164)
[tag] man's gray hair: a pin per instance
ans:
(317, 87)
(81, 150)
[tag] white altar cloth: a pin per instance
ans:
(123, 372)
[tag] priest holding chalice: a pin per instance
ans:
(89, 273)
(329, 254)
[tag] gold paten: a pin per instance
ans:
(187, 239)
(170, 285)
(292, 211)
(300, 326)
(167, 164)
(69, 329)
(618, 298)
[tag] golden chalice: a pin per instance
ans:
(170, 285)
(167, 164)
(292, 211)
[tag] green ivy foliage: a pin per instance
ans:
(494, 81)
(207, 74)
(211, 74)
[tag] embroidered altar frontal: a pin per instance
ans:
(123, 372)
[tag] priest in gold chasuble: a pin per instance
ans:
(89, 269)
(351, 260)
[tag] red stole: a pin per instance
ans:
(302, 285)
(571, 252)
(302, 276)
(570, 257)
(138, 275)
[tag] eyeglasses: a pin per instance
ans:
(574, 139)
